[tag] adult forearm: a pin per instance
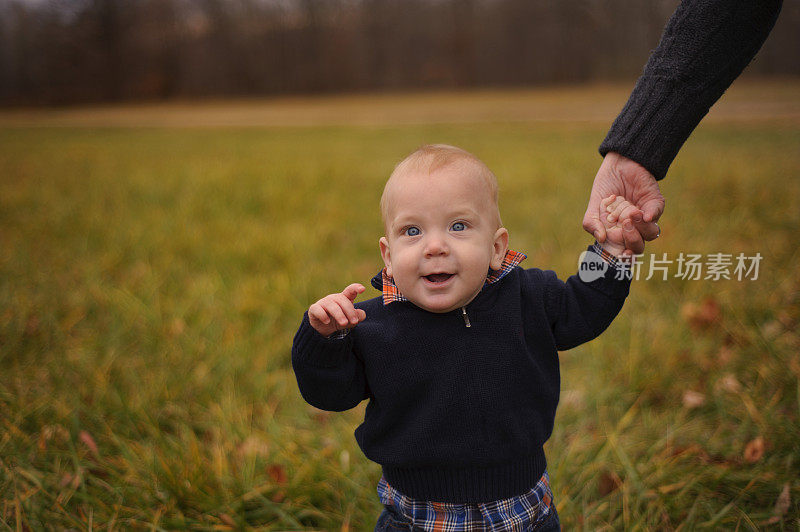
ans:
(705, 46)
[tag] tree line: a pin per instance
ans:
(70, 51)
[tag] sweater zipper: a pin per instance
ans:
(466, 318)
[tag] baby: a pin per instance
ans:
(459, 356)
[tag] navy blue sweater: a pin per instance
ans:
(456, 413)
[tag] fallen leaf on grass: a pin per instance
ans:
(693, 451)
(729, 383)
(608, 483)
(277, 473)
(88, 441)
(50, 432)
(703, 315)
(573, 399)
(784, 501)
(32, 325)
(781, 506)
(724, 355)
(794, 365)
(99, 472)
(754, 450)
(321, 417)
(253, 446)
(176, 327)
(692, 399)
(228, 520)
(786, 320)
(671, 487)
(71, 480)
(771, 329)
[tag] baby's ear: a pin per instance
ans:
(499, 248)
(383, 243)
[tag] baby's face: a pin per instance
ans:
(442, 236)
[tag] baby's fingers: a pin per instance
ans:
(317, 312)
(633, 240)
(615, 208)
(349, 312)
(629, 212)
(333, 309)
(352, 291)
(605, 202)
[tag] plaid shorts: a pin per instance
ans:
(533, 510)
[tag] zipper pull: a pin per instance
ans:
(466, 318)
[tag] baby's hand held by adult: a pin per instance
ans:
(619, 209)
(336, 312)
(620, 175)
(615, 215)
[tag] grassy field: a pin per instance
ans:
(152, 278)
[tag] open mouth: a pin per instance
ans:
(438, 277)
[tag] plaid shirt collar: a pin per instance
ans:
(391, 292)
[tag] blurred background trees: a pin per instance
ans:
(72, 51)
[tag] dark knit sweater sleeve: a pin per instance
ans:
(579, 311)
(329, 374)
(705, 46)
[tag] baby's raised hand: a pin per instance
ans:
(336, 312)
(612, 210)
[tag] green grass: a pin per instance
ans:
(151, 281)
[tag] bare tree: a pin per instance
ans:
(61, 51)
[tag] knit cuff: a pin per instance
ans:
(312, 348)
(654, 124)
(610, 258)
(613, 280)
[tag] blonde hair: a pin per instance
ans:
(429, 158)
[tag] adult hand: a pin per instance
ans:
(621, 176)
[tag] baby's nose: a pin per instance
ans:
(435, 246)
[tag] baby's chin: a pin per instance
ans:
(432, 305)
(438, 310)
(442, 307)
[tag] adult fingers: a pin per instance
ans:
(633, 240)
(648, 230)
(653, 208)
(591, 219)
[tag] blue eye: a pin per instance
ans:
(458, 226)
(412, 231)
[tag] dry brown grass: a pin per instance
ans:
(748, 100)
